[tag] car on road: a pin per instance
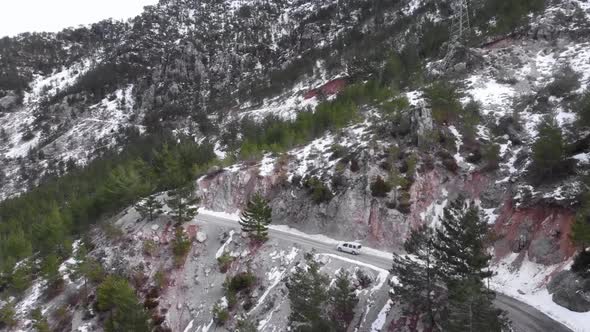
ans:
(349, 247)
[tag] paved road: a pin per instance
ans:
(524, 317)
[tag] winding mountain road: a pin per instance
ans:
(524, 317)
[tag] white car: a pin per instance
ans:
(351, 248)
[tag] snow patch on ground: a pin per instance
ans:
(267, 165)
(42, 87)
(221, 250)
(416, 98)
(289, 104)
(411, 7)
(30, 301)
(316, 155)
(189, 326)
(493, 96)
(381, 278)
(377, 325)
(66, 266)
(528, 284)
(206, 327)
(103, 120)
(459, 143)
(277, 273)
(218, 151)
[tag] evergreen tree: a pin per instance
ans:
(308, 295)
(460, 249)
(343, 300)
(8, 315)
(16, 245)
(583, 110)
(580, 233)
(50, 268)
(87, 268)
(20, 279)
(124, 183)
(463, 263)
(181, 245)
(380, 188)
(470, 308)
(244, 325)
(256, 217)
(418, 286)
(548, 150)
(182, 203)
(81, 268)
(444, 102)
(580, 236)
(39, 321)
(52, 234)
(168, 168)
(149, 208)
(125, 313)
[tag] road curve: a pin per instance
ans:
(524, 317)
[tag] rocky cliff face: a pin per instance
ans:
(529, 220)
(198, 69)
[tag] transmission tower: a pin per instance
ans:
(460, 25)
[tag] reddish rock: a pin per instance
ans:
(311, 94)
(375, 229)
(541, 231)
(331, 88)
(192, 231)
(502, 42)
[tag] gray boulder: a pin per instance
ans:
(571, 291)
(8, 102)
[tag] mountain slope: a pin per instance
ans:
(359, 120)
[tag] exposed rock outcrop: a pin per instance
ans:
(571, 291)
(542, 231)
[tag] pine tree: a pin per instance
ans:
(149, 208)
(244, 325)
(51, 235)
(87, 268)
(256, 218)
(124, 183)
(343, 300)
(548, 150)
(39, 321)
(181, 245)
(580, 233)
(470, 308)
(463, 263)
(580, 236)
(418, 286)
(116, 297)
(50, 267)
(20, 279)
(168, 168)
(380, 188)
(8, 315)
(583, 110)
(182, 203)
(16, 246)
(308, 295)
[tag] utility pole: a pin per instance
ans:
(460, 27)
(461, 24)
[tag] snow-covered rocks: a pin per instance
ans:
(201, 237)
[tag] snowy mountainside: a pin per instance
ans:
(511, 79)
(187, 66)
(202, 70)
